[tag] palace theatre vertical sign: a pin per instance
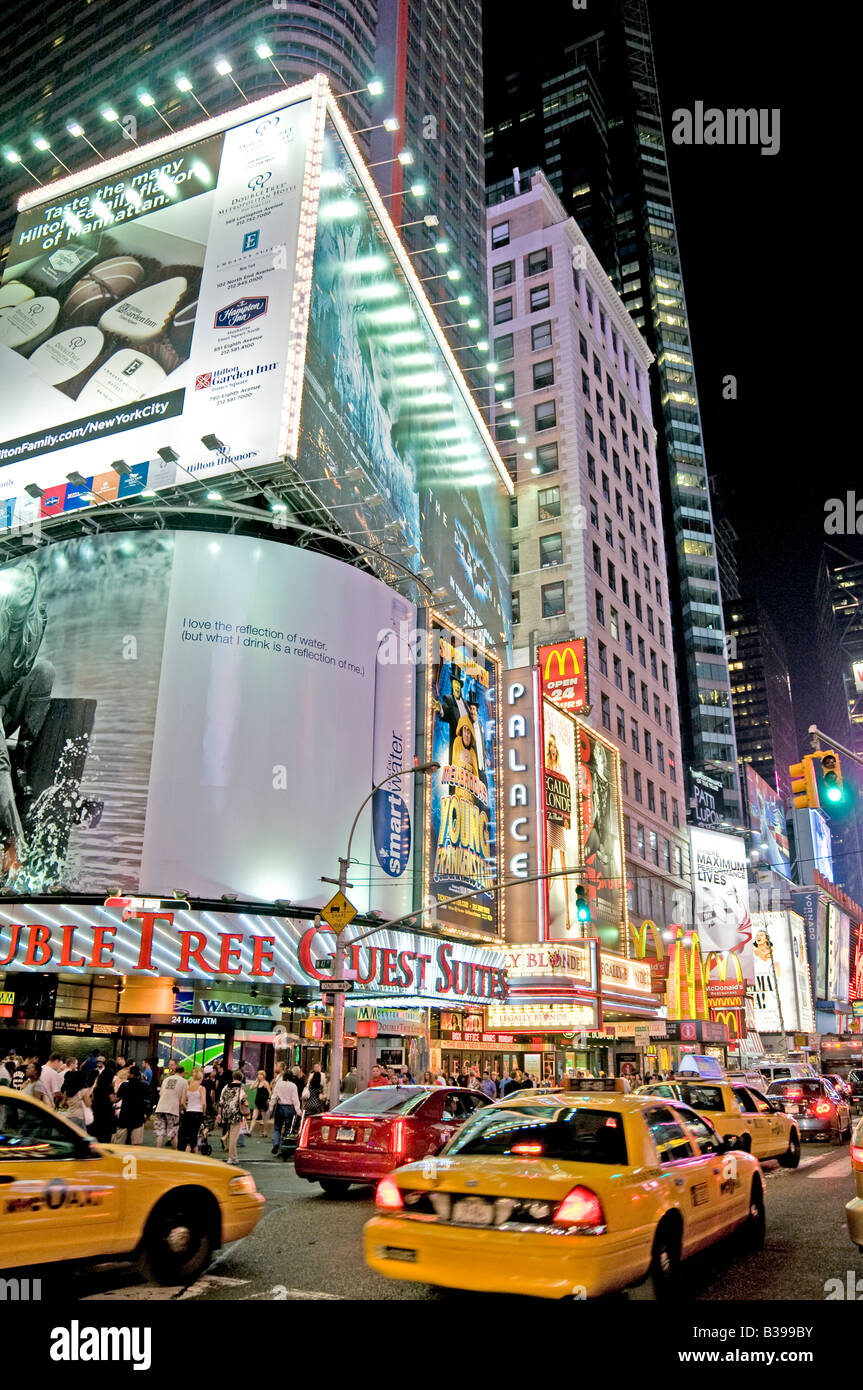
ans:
(520, 803)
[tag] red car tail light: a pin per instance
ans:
(793, 1095)
(387, 1195)
(531, 1150)
(857, 1154)
(580, 1208)
(823, 1108)
(398, 1138)
(304, 1133)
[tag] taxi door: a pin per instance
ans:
(691, 1179)
(756, 1121)
(58, 1199)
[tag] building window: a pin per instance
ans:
(615, 626)
(600, 608)
(609, 531)
(675, 821)
(546, 458)
(503, 275)
(642, 654)
(513, 562)
(624, 782)
(513, 511)
(540, 298)
(543, 375)
(651, 797)
(606, 711)
(602, 650)
(621, 725)
(504, 385)
(645, 700)
(630, 678)
(516, 608)
(597, 559)
(618, 673)
(500, 234)
(550, 550)
(553, 605)
(597, 368)
(648, 746)
(663, 804)
(654, 847)
(503, 311)
(660, 755)
(627, 639)
(540, 336)
(653, 671)
(588, 425)
(545, 415)
(591, 467)
(548, 503)
(641, 839)
(678, 860)
(594, 513)
(582, 345)
(668, 719)
(606, 491)
(503, 348)
(664, 676)
(633, 736)
(639, 794)
(612, 577)
(672, 770)
(535, 262)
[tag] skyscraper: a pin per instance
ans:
(588, 557)
(761, 693)
(839, 629)
(67, 61)
(578, 96)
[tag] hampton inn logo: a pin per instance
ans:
(241, 312)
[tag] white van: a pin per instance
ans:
(784, 1071)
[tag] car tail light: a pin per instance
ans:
(794, 1095)
(531, 1150)
(388, 1195)
(304, 1133)
(398, 1139)
(823, 1107)
(580, 1208)
(857, 1154)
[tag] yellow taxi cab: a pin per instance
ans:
(735, 1109)
(63, 1197)
(854, 1208)
(566, 1195)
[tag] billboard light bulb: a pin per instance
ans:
(40, 142)
(464, 300)
(263, 50)
(75, 129)
(391, 123)
(454, 274)
(474, 323)
(183, 84)
(405, 157)
(109, 114)
(12, 157)
(223, 67)
(418, 190)
(145, 99)
(376, 87)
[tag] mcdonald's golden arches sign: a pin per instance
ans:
(563, 674)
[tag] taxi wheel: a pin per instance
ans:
(753, 1229)
(334, 1187)
(178, 1239)
(665, 1261)
(791, 1156)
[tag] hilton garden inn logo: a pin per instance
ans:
(731, 127)
(77, 1343)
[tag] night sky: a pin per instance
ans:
(757, 247)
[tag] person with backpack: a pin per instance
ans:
(233, 1111)
(133, 1095)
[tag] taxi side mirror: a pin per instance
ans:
(732, 1143)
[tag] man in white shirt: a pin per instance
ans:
(51, 1079)
(284, 1104)
(171, 1104)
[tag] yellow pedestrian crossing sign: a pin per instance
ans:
(338, 912)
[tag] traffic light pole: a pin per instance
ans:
(817, 735)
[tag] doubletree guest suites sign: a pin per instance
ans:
(241, 947)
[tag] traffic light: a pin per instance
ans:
(582, 907)
(831, 776)
(804, 784)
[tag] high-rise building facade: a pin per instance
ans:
(761, 692)
(839, 630)
(588, 557)
(66, 62)
(578, 96)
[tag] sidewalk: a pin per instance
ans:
(252, 1148)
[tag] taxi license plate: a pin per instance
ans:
(794, 1109)
(346, 1134)
(473, 1211)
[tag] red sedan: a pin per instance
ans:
(371, 1133)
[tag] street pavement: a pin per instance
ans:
(309, 1246)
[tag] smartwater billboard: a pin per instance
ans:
(182, 711)
(385, 432)
(145, 315)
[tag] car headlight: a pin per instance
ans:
(244, 1183)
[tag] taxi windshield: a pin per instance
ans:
(382, 1100)
(578, 1135)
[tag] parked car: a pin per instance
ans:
(782, 1071)
(820, 1111)
(839, 1084)
(855, 1081)
(369, 1134)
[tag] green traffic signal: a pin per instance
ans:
(832, 777)
(582, 907)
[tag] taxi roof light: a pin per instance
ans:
(581, 1208)
(388, 1195)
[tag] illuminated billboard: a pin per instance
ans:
(386, 433)
(463, 736)
(146, 314)
(782, 989)
(767, 820)
(582, 828)
(200, 713)
(720, 887)
(563, 674)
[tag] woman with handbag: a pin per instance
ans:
(313, 1096)
(233, 1111)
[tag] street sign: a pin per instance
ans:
(336, 986)
(338, 912)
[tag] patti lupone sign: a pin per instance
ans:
(240, 946)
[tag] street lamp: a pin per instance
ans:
(339, 962)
